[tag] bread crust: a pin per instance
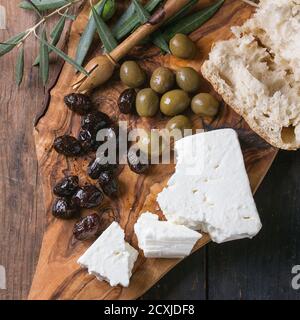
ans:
(214, 80)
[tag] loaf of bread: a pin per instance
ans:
(258, 72)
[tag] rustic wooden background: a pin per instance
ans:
(257, 269)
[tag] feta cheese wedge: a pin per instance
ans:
(162, 239)
(210, 189)
(110, 258)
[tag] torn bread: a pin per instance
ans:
(258, 72)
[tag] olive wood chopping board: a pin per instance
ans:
(58, 276)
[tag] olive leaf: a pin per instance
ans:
(108, 40)
(108, 11)
(58, 29)
(45, 48)
(65, 57)
(20, 65)
(192, 22)
(55, 36)
(181, 13)
(44, 58)
(69, 16)
(34, 7)
(87, 36)
(127, 27)
(44, 5)
(129, 12)
(7, 46)
(157, 38)
(141, 12)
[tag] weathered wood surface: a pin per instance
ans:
(260, 268)
(59, 251)
(21, 204)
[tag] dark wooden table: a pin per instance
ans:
(257, 269)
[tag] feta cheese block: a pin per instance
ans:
(210, 190)
(110, 258)
(162, 239)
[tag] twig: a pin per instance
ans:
(57, 11)
(251, 3)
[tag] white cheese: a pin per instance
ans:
(162, 239)
(210, 189)
(110, 258)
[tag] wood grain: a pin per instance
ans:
(59, 251)
(22, 224)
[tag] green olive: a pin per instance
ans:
(162, 80)
(174, 102)
(205, 105)
(188, 79)
(109, 9)
(183, 47)
(147, 103)
(179, 122)
(132, 74)
(152, 143)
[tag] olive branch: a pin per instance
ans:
(185, 21)
(39, 31)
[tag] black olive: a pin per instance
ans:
(112, 132)
(87, 228)
(105, 177)
(66, 187)
(126, 101)
(95, 121)
(65, 209)
(135, 163)
(111, 138)
(88, 141)
(88, 197)
(95, 168)
(111, 189)
(79, 103)
(68, 146)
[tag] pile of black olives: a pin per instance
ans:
(64, 207)
(71, 199)
(92, 122)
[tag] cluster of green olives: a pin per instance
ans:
(172, 101)
(171, 93)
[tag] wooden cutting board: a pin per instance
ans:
(58, 276)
